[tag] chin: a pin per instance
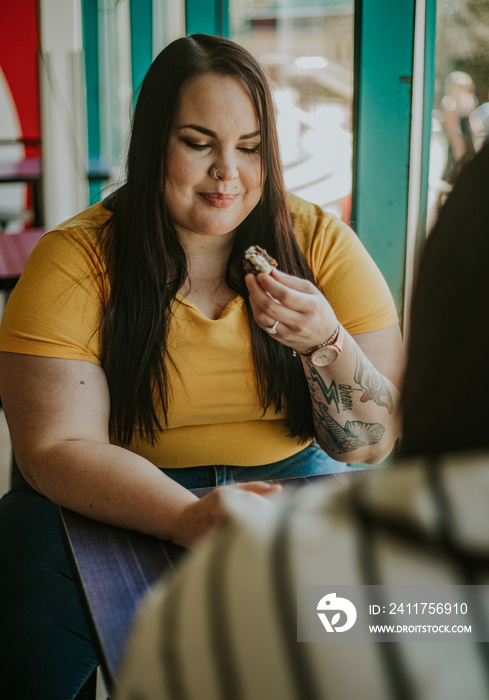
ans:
(217, 227)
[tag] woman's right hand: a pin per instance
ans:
(200, 517)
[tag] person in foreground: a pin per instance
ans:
(139, 361)
(226, 624)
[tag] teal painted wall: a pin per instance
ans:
(384, 45)
(141, 14)
(207, 17)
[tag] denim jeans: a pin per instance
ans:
(46, 649)
(308, 462)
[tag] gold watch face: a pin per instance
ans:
(325, 356)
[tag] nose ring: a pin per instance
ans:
(214, 174)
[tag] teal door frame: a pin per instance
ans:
(90, 28)
(388, 95)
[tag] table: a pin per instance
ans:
(15, 248)
(26, 170)
(29, 171)
(115, 568)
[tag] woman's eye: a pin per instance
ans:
(197, 146)
(251, 151)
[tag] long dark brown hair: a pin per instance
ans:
(147, 265)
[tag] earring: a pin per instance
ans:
(214, 174)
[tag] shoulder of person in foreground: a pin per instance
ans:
(447, 373)
(227, 620)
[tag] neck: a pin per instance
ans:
(205, 286)
(207, 255)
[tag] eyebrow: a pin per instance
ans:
(208, 132)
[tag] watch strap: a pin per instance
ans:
(329, 341)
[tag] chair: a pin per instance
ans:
(89, 690)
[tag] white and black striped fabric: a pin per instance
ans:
(224, 628)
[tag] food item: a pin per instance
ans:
(257, 260)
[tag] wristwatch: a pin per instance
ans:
(327, 352)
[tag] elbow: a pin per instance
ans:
(368, 454)
(34, 462)
(28, 471)
(373, 454)
(28, 465)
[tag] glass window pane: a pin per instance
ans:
(307, 48)
(461, 109)
(115, 78)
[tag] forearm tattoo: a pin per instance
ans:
(372, 382)
(353, 434)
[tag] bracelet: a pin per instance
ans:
(332, 338)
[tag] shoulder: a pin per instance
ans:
(82, 233)
(306, 214)
(321, 235)
(311, 221)
(70, 256)
(343, 268)
(85, 224)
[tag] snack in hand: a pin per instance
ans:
(257, 260)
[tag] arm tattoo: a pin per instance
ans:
(372, 382)
(354, 434)
(341, 439)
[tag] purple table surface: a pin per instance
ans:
(26, 170)
(115, 568)
(30, 170)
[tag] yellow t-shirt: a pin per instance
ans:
(214, 416)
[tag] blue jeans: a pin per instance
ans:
(46, 649)
(309, 462)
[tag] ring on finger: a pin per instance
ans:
(273, 329)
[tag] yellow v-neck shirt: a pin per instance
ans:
(214, 415)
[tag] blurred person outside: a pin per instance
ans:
(457, 104)
(479, 121)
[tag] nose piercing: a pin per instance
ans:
(216, 176)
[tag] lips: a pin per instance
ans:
(220, 200)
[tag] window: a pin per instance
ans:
(460, 122)
(306, 47)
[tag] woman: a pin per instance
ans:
(138, 362)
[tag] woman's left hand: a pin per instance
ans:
(305, 318)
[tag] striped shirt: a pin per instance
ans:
(224, 627)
